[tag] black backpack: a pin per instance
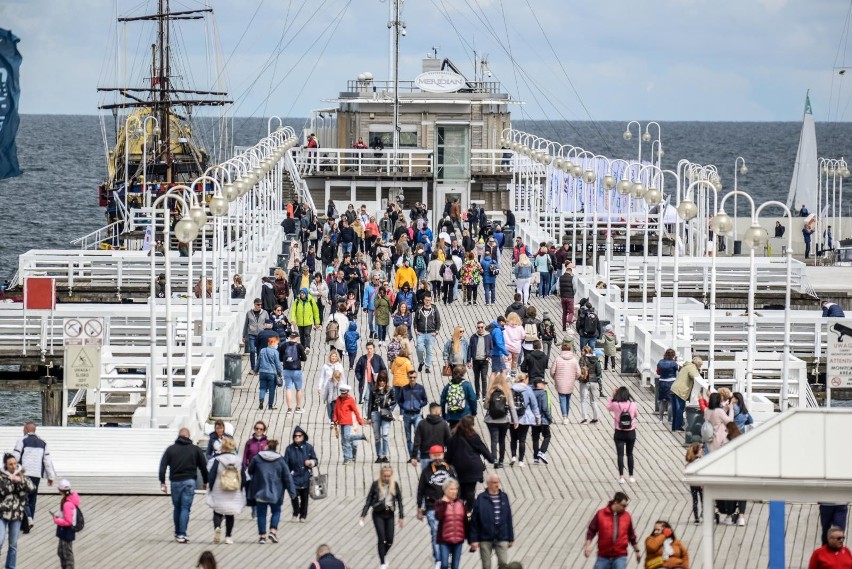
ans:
(590, 325)
(520, 404)
(625, 420)
(497, 407)
(79, 522)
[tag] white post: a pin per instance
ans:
(707, 530)
(168, 298)
(152, 302)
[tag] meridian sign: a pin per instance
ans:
(440, 81)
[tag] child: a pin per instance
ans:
(330, 394)
(610, 343)
(66, 522)
(693, 453)
(350, 338)
(548, 332)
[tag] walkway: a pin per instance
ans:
(551, 504)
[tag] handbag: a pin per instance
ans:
(318, 488)
(654, 563)
(386, 414)
(447, 370)
(279, 381)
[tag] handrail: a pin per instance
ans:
(97, 236)
(299, 184)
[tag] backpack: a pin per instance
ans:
(230, 479)
(291, 352)
(419, 263)
(708, 435)
(548, 330)
(520, 404)
(393, 350)
(625, 420)
(494, 269)
(332, 331)
(497, 407)
(448, 273)
(455, 398)
(530, 332)
(79, 521)
(590, 325)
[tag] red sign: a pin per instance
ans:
(40, 293)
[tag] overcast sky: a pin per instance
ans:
(737, 60)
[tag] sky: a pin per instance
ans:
(702, 60)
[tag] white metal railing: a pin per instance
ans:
(490, 161)
(299, 185)
(407, 161)
(98, 236)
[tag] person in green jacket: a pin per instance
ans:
(305, 314)
(382, 314)
(682, 390)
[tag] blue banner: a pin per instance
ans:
(10, 91)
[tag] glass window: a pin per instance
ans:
(452, 153)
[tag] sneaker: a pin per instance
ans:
(437, 565)
(420, 367)
(584, 421)
(741, 521)
(697, 522)
(513, 460)
(593, 421)
(544, 458)
(273, 537)
(348, 462)
(379, 460)
(521, 464)
(428, 370)
(302, 520)
(299, 410)
(632, 480)
(217, 535)
(262, 540)
(564, 421)
(229, 541)
(274, 408)
(260, 407)
(181, 539)
(536, 461)
(295, 519)
(621, 479)
(498, 465)
(289, 411)
(727, 521)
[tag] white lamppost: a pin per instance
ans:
(658, 280)
(628, 135)
(185, 231)
(137, 130)
(739, 168)
(155, 132)
(656, 158)
(653, 198)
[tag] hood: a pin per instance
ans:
(298, 429)
(353, 327)
(183, 441)
(516, 305)
(519, 387)
(267, 285)
(304, 291)
(74, 498)
(269, 455)
(567, 355)
(434, 419)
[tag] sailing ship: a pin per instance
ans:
(156, 143)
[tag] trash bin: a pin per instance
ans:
(656, 391)
(222, 396)
(738, 247)
(694, 420)
(629, 357)
(282, 261)
(272, 271)
(234, 369)
(285, 247)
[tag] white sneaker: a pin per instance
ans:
(741, 521)
(621, 480)
(727, 521)
(632, 480)
(437, 565)
(513, 460)
(564, 421)
(229, 541)
(384, 566)
(217, 535)
(521, 464)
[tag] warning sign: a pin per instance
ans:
(839, 353)
(83, 332)
(82, 367)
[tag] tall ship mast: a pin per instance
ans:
(156, 145)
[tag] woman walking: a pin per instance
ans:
(319, 292)
(331, 365)
(270, 477)
(589, 384)
(384, 498)
(523, 276)
(471, 276)
(380, 401)
(565, 371)
(214, 442)
(455, 349)
(451, 516)
(433, 273)
(402, 317)
(500, 414)
(624, 411)
(224, 496)
(256, 443)
(15, 485)
(513, 336)
(268, 366)
(301, 459)
(382, 314)
(693, 453)
(463, 452)
(667, 372)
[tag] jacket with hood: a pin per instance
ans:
(532, 414)
(351, 337)
(566, 285)
(463, 454)
(405, 275)
(433, 270)
(295, 457)
(433, 430)
(270, 477)
(499, 340)
(513, 336)
(542, 398)
(430, 487)
(346, 410)
(182, 459)
(262, 340)
(225, 502)
(406, 295)
(518, 308)
(472, 346)
(68, 519)
(267, 297)
(487, 277)
(565, 370)
(469, 398)
(534, 364)
(610, 343)
(33, 456)
(427, 322)
(252, 448)
(382, 310)
(13, 496)
(305, 312)
(254, 323)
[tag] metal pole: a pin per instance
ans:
(396, 26)
(152, 365)
(168, 298)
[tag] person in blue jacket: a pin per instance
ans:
(498, 351)
(412, 400)
(350, 339)
(458, 399)
(269, 478)
(500, 237)
(492, 531)
(368, 302)
(831, 310)
(301, 459)
(489, 277)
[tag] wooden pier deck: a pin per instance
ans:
(552, 504)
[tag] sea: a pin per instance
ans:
(63, 160)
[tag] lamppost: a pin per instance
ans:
(185, 231)
(658, 280)
(628, 135)
(155, 132)
(742, 170)
(137, 130)
(655, 158)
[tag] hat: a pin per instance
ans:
(436, 449)
(64, 484)
(546, 313)
(343, 387)
(608, 328)
(294, 334)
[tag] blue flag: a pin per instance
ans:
(10, 91)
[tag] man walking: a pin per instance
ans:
(32, 454)
(589, 327)
(255, 319)
(430, 489)
(479, 350)
(614, 528)
(367, 369)
(427, 323)
(305, 314)
(491, 528)
(292, 354)
(431, 431)
(566, 296)
(412, 399)
(182, 459)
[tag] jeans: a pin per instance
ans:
(451, 550)
(31, 498)
(567, 311)
(587, 342)
(13, 528)
(433, 530)
(664, 397)
(490, 294)
(381, 430)
(518, 441)
(268, 384)
(480, 377)
(347, 247)
(470, 293)
(382, 332)
(371, 322)
(545, 279)
(488, 548)
(497, 432)
(349, 442)
(446, 291)
(543, 432)
(182, 494)
(498, 364)
(624, 440)
(425, 346)
(611, 563)
(564, 404)
(409, 425)
(251, 347)
(678, 408)
(587, 399)
(261, 516)
(383, 521)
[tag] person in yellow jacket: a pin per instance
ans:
(405, 274)
(399, 372)
(305, 314)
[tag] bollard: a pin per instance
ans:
(234, 369)
(285, 247)
(656, 391)
(629, 356)
(694, 420)
(51, 401)
(222, 396)
(282, 261)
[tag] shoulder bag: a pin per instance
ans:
(319, 485)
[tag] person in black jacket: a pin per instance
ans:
(430, 489)
(535, 362)
(385, 497)
(463, 454)
(478, 357)
(182, 459)
(491, 529)
(337, 291)
(328, 251)
(362, 373)
(267, 295)
(431, 431)
(325, 560)
(301, 459)
(566, 296)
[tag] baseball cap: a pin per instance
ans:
(64, 484)
(294, 334)
(343, 387)
(436, 449)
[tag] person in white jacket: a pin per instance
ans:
(33, 456)
(226, 504)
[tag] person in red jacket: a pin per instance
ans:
(452, 525)
(832, 555)
(614, 528)
(347, 424)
